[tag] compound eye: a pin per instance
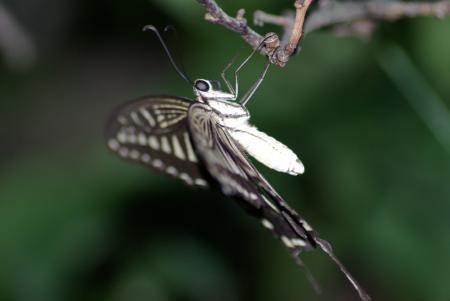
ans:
(202, 85)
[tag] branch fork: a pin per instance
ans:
(278, 52)
(353, 17)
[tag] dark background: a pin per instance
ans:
(368, 117)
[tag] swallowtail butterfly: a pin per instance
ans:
(206, 142)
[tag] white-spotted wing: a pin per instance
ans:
(237, 177)
(153, 131)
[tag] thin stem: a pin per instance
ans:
(433, 111)
(343, 12)
(255, 86)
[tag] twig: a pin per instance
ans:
(360, 16)
(260, 18)
(434, 112)
(216, 15)
(286, 21)
(278, 55)
(301, 7)
(336, 13)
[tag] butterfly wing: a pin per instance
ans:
(153, 131)
(237, 177)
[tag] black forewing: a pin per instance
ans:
(153, 131)
(229, 166)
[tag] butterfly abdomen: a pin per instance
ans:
(267, 150)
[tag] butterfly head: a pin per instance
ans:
(205, 90)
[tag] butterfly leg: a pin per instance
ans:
(227, 82)
(255, 86)
(235, 90)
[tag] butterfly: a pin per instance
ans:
(206, 142)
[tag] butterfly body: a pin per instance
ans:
(230, 113)
(235, 118)
(205, 143)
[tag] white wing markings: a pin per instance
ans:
(165, 145)
(190, 151)
(148, 117)
(153, 142)
(177, 149)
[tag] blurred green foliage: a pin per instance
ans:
(76, 223)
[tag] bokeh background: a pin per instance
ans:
(368, 117)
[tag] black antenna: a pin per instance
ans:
(180, 72)
(180, 61)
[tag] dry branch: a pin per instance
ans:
(331, 14)
(278, 55)
(216, 15)
(336, 13)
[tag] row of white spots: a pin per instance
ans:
(307, 226)
(174, 145)
(123, 152)
(156, 163)
(290, 243)
(233, 185)
(113, 144)
(146, 158)
(200, 182)
(134, 154)
(172, 171)
(293, 242)
(267, 224)
(185, 177)
(122, 137)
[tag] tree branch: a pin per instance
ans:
(336, 13)
(301, 7)
(216, 15)
(361, 17)
(278, 55)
